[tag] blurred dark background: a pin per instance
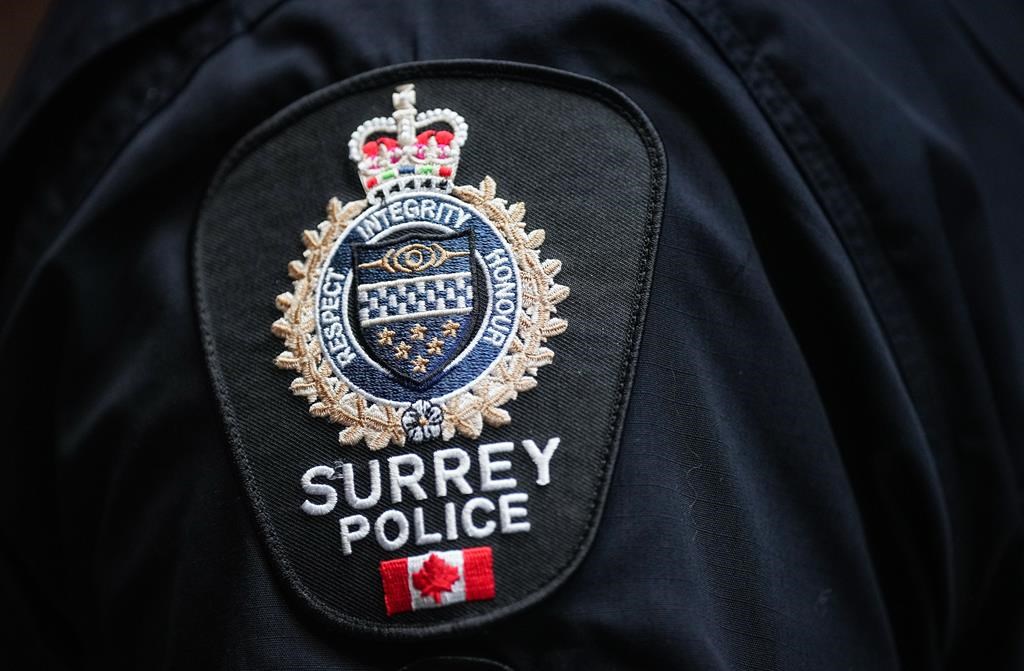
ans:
(19, 20)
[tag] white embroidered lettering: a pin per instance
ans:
(502, 273)
(496, 256)
(494, 337)
(400, 520)
(463, 217)
(542, 458)
(456, 475)
(466, 516)
(451, 529)
(419, 533)
(468, 526)
(336, 277)
(395, 210)
(353, 499)
(348, 534)
(508, 512)
(505, 290)
(446, 211)
(312, 489)
(488, 467)
(410, 481)
(371, 225)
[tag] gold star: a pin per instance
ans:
(402, 351)
(449, 329)
(384, 337)
(419, 364)
(417, 332)
(435, 346)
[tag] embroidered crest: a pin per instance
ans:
(420, 311)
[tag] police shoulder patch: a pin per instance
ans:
(456, 392)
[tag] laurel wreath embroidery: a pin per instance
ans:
(464, 414)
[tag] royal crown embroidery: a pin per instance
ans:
(419, 311)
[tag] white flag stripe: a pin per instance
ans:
(458, 591)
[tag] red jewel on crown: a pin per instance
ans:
(400, 153)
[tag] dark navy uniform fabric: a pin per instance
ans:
(823, 455)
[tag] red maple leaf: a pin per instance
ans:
(434, 577)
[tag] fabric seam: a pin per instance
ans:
(843, 209)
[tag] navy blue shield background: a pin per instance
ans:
(415, 302)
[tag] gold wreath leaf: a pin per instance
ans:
(555, 326)
(506, 374)
(300, 387)
(534, 256)
(482, 389)
(496, 416)
(463, 415)
(296, 270)
(470, 425)
(284, 301)
(298, 289)
(541, 356)
(377, 440)
(551, 267)
(506, 394)
(535, 238)
(516, 212)
(288, 360)
(310, 239)
(525, 383)
(351, 435)
(459, 405)
(469, 194)
(337, 213)
(313, 346)
(281, 328)
(557, 293)
(376, 417)
(334, 210)
(526, 328)
(447, 430)
(352, 406)
(488, 188)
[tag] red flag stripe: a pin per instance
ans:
(479, 573)
(395, 575)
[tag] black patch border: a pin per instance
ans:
(464, 68)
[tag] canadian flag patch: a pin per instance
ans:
(437, 579)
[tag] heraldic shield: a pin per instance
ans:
(415, 302)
